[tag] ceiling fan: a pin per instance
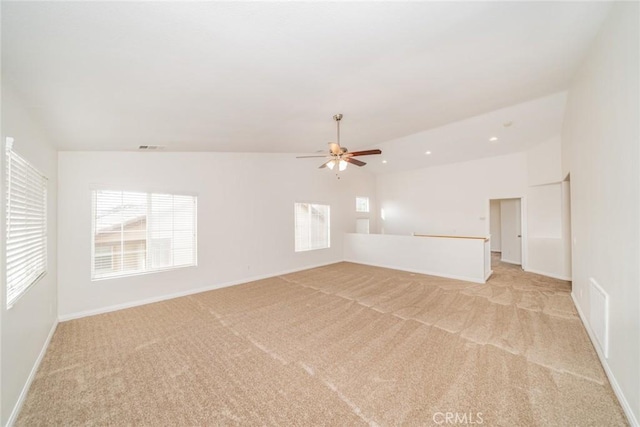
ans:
(340, 155)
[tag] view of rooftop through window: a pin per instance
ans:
(138, 232)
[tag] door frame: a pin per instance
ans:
(523, 224)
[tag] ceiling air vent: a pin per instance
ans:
(150, 147)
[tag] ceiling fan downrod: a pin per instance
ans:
(337, 118)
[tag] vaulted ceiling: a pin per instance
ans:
(268, 77)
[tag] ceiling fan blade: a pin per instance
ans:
(354, 161)
(307, 157)
(334, 148)
(365, 153)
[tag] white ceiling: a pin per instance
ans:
(528, 124)
(268, 77)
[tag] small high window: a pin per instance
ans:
(362, 204)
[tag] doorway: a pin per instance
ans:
(505, 227)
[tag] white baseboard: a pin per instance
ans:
(511, 262)
(612, 379)
(489, 274)
(543, 273)
(116, 307)
(32, 375)
(428, 273)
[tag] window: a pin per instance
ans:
(137, 233)
(26, 216)
(362, 204)
(103, 259)
(312, 226)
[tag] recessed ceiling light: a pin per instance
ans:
(427, 152)
(384, 161)
(493, 139)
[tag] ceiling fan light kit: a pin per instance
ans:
(340, 155)
(342, 164)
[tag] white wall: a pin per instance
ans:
(546, 211)
(450, 199)
(495, 229)
(463, 259)
(600, 151)
(245, 218)
(545, 202)
(26, 327)
(545, 239)
(566, 227)
(544, 163)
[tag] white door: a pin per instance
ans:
(510, 219)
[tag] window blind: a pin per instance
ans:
(312, 226)
(136, 232)
(26, 225)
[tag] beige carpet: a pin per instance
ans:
(340, 345)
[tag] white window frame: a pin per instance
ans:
(26, 225)
(147, 269)
(312, 247)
